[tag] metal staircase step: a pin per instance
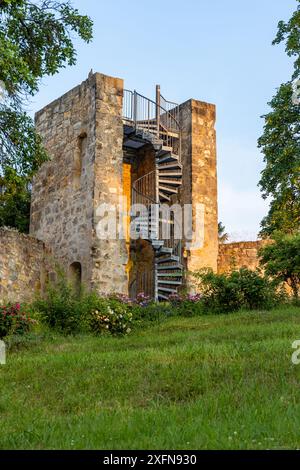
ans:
(146, 125)
(164, 150)
(167, 282)
(173, 174)
(166, 250)
(162, 297)
(167, 189)
(164, 196)
(167, 289)
(158, 242)
(167, 166)
(169, 181)
(177, 273)
(167, 259)
(169, 267)
(167, 158)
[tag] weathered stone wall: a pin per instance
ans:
(239, 255)
(83, 134)
(200, 178)
(62, 199)
(23, 266)
(110, 257)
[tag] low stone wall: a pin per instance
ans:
(238, 255)
(23, 261)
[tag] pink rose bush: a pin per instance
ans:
(14, 320)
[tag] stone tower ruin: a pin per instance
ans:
(108, 144)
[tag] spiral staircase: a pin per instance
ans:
(156, 123)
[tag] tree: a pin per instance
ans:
(223, 236)
(281, 260)
(35, 41)
(14, 201)
(280, 143)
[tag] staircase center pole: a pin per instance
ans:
(157, 191)
(158, 109)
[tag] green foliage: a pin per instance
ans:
(281, 260)
(242, 289)
(186, 305)
(186, 308)
(64, 310)
(35, 40)
(14, 321)
(280, 143)
(110, 316)
(152, 312)
(290, 34)
(210, 382)
(21, 154)
(280, 178)
(223, 236)
(14, 201)
(61, 308)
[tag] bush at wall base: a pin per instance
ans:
(14, 321)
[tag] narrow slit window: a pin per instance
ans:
(75, 273)
(79, 159)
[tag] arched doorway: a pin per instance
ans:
(75, 274)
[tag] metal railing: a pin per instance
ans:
(144, 202)
(171, 107)
(171, 233)
(151, 117)
(144, 189)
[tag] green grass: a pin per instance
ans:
(213, 382)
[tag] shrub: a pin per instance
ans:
(187, 305)
(14, 321)
(110, 316)
(258, 290)
(152, 311)
(223, 293)
(65, 310)
(59, 308)
(281, 260)
(188, 308)
(141, 299)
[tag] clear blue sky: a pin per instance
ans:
(214, 50)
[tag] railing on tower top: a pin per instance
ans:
(160, 118)
(172, 108)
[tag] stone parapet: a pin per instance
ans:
(239, 255)
(23, 266)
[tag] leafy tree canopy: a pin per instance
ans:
(14, 201)
(35, 40)
(289, 33)
(280, 143)
(281, 260)
(223, 236)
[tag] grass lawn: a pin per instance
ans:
(213, 382)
